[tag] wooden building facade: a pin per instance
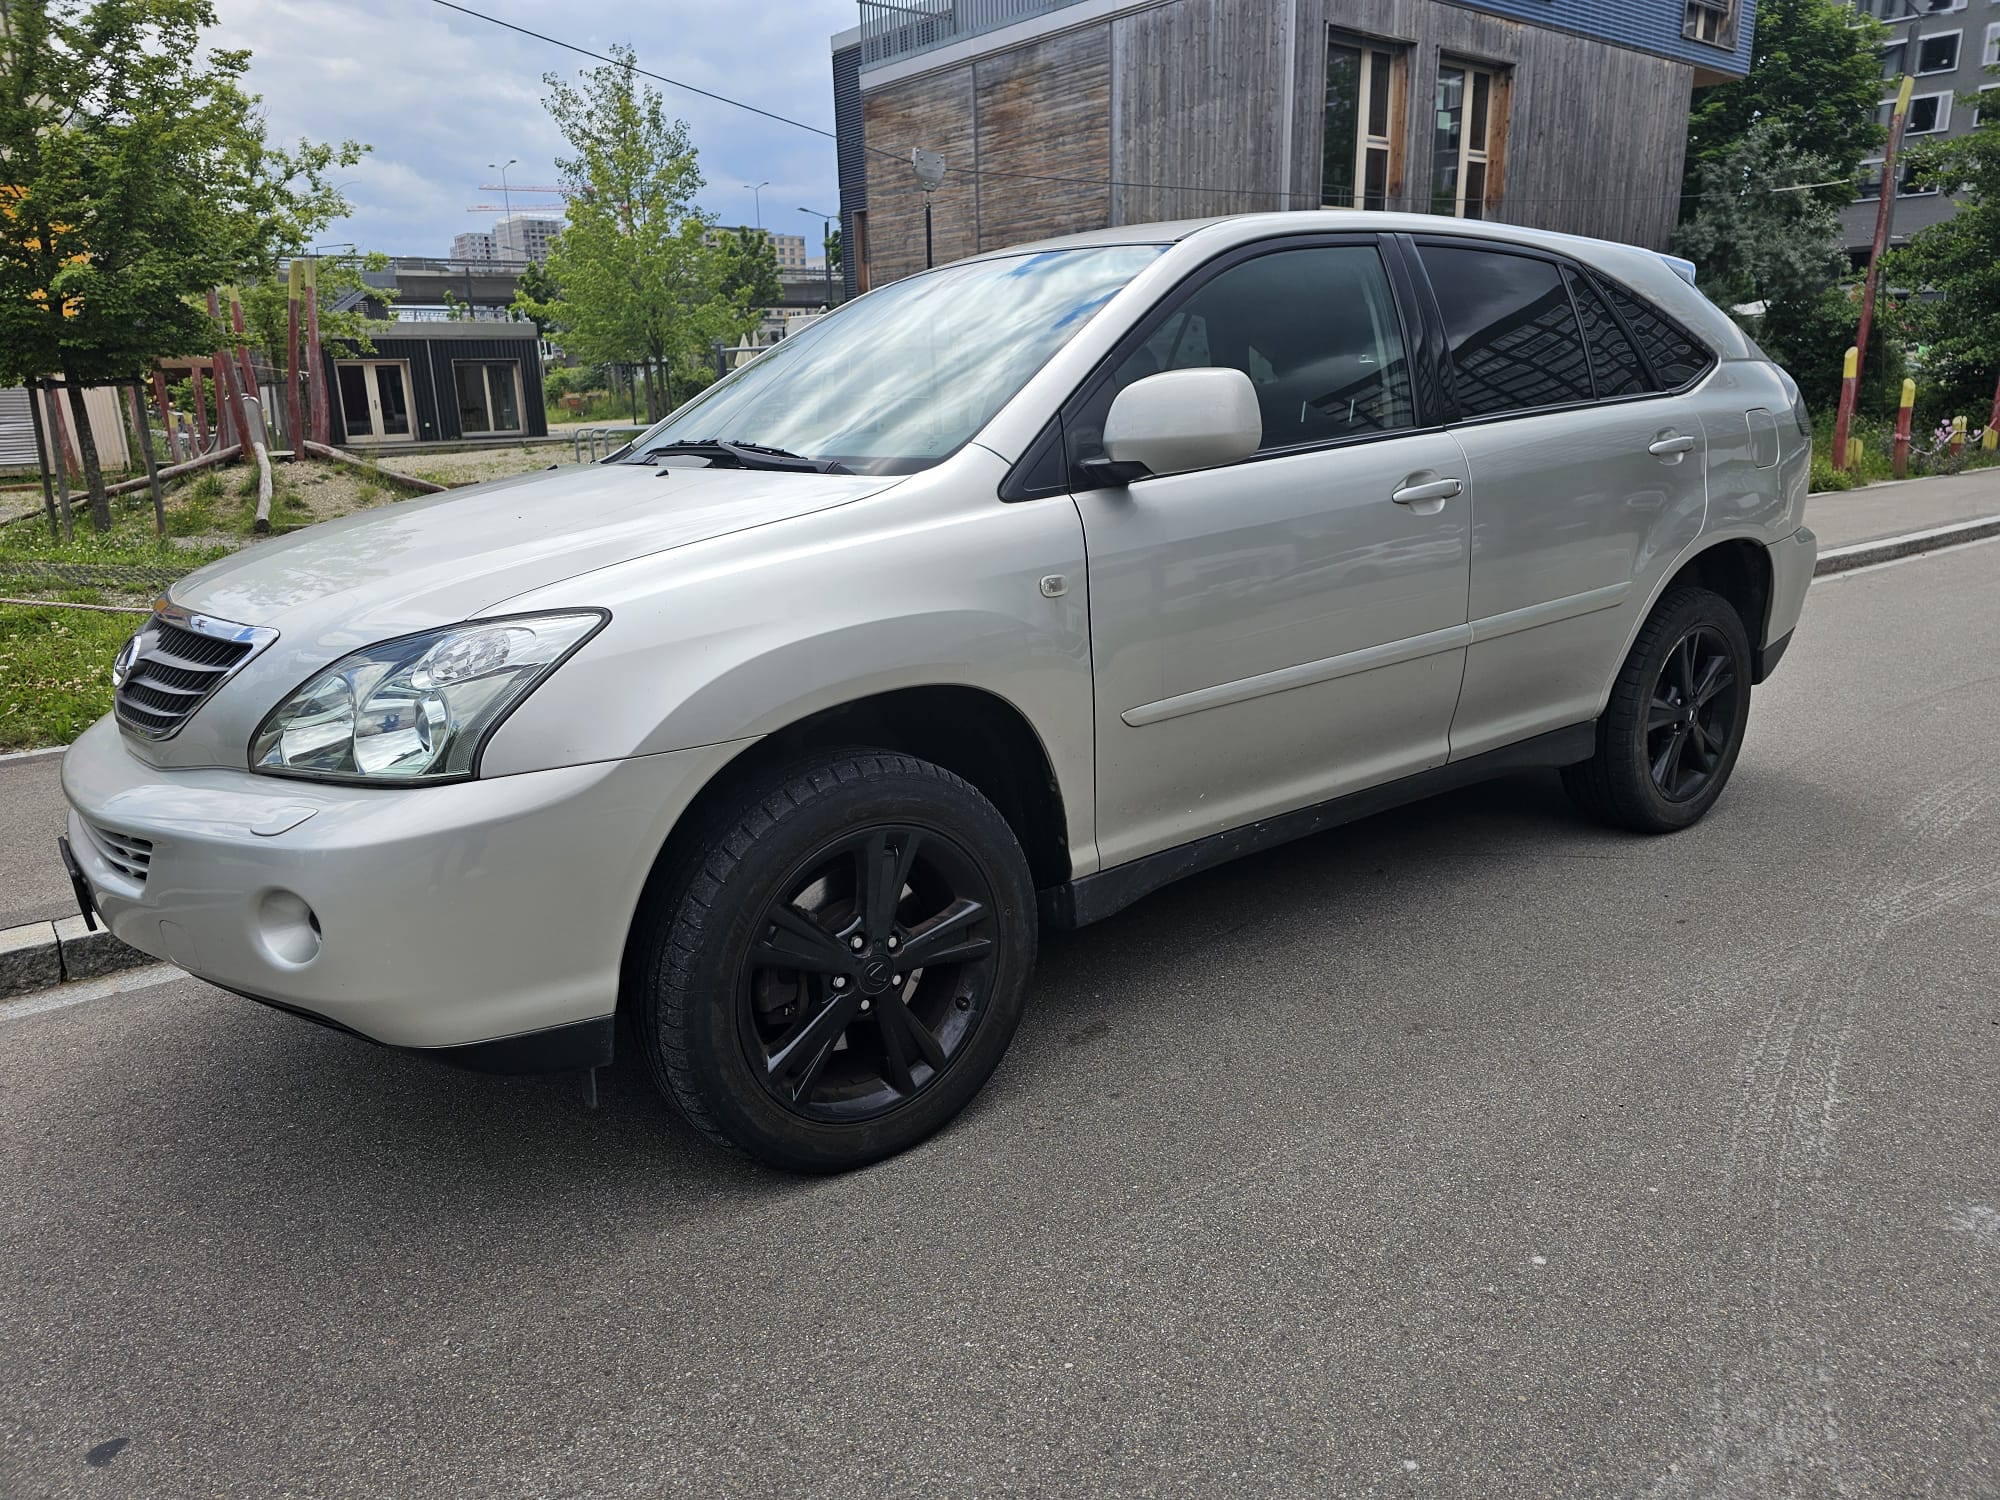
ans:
(1055, 116)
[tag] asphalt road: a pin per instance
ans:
(1469, 1151)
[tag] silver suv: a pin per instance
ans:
(1005, 594)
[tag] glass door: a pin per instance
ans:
(489, 396)
(375, 399)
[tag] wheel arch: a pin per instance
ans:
(972, 732)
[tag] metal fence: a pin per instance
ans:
(891, 31)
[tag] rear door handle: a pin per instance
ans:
(1427, 499)
(1671, 447)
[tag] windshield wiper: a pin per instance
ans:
(745, 456)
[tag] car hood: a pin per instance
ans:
(450, 557)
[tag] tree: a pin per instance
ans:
(751, 269)
(1958, 263)
(1816, 75)
(635, 280)
(1754, 228)
(347, 304)
(833, 250)
(137, 176)
(535, 291)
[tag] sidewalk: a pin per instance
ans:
(1893, 509)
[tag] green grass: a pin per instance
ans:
(55, 672)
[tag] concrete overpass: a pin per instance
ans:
(422, 281)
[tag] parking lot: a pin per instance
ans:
(1467, 1151)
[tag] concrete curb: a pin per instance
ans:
(43, 954)
(1890, 548)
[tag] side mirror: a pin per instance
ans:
(1180, 420)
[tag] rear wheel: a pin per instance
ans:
(840, 967)
(1668, 739)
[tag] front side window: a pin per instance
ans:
(899, 380)
(1515, 342)
(1465, 141)
(1315, 329)
(1362, 165)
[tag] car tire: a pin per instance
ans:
(853, 1054)
(1670, 734)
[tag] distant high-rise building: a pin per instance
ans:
(474, 245)
(789, 248)
(524, 237)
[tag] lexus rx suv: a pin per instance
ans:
(1001, 596)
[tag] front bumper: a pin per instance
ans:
(446, 917)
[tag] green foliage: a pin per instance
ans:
(55, 672)
(265, 304)
(137, 176)
(750, 272)
(1958, 261)
(536, 291)
(1815, 73)
(636, 282)
(833, 249)
(1810, 337)
(1753, 235)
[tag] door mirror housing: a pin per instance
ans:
(1180, 420)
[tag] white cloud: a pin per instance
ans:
(439, 95)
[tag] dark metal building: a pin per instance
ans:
(430, 382)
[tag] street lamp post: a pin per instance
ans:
(825, 239)
(757, 196)
(506, 199)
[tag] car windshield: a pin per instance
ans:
(904, 377)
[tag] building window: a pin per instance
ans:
(1938, 54)
(1928, 113)
(1903, 10)
(1363, 162)
(1989, 109)
(1906, 182)
(1710, 21)
(489, 395)
(1466, 140)
(1989, 56)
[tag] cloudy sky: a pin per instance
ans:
(440, 95)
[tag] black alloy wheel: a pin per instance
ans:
(1675, 721)
(1692, 718)
(834, 960)
(870, 973)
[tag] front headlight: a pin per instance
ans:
(419, 709)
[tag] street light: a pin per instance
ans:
(756, 189)
(825, 238)
(506, 199)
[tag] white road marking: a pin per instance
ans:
(123, 982)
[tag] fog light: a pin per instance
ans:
(287, 928)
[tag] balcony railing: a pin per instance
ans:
(895, 29)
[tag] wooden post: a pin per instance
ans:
(70, 463)
(1957, 436)
(1901, 462)
(42, 459)
(294, 432)
(1990, 439)
(1850, 378)
(322, 415)
(1885, 209)
(226, 425)
(201, 408)
(152, 468)
(250, 388)
(174, 453)
(55, 444)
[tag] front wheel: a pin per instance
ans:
(1670, 735)
(838, 970)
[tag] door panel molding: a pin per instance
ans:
(1492, 627)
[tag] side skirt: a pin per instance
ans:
(1077, 903)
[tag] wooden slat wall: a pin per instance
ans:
(1044, 109)
(1199, 91)
(1179, 106)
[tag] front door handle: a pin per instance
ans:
(1427, 499)
(1671, 448)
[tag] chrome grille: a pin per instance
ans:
(169, 669)
(126, 853)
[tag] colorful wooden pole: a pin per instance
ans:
(1850, 377)
(1901, 461)
(322, 415)
(200, 407)
(1957, 436)
(294, 433)
(152, 467)
(61, 464)
(231, 419)
(1884, 210)
(175, 453)
(1990, 440)
(242, 347)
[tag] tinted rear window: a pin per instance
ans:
(1676, 358)
(1515, 343)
